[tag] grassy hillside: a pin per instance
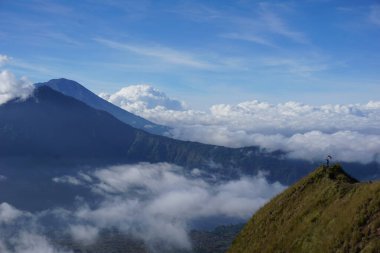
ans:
(327, 211)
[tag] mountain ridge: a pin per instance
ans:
(76, 90)
(326, 211)
(52, 125)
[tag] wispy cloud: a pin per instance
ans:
(249, 37)
(295, 66)
(197, 12)
(264, 22)
(50, 7)
(30, 66)
(162, 53)
(374, 15)
(133, 10)
(60, 37)
(277, 25)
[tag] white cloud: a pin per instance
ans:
(305, 131)
(277, 25)
(11, 88)
(265, 22)
(67, 180)
(302, 67)
(259, 39)
(314, 145)
(84, 233)
(4, 59)
(163, 201)
(156, 203)
(162, 53)
(142, 96)
(28, 239)
(26, 242)
(8, 213)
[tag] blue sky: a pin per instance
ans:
(203, 52)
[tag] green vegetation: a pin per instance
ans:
(327, 211)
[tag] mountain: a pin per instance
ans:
(327, 211)
(52, 135)
(58, 128)
(54, 128)
(79, 92)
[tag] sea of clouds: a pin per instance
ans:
(349, 132)
(156, 203)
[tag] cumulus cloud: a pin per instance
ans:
(11, 88)
(155, 203)
(8, 213)
(134, 97)
(349, 132)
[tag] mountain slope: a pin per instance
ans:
(79, 92)
(327, 211)
(50, 125)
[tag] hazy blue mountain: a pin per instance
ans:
(50, 134)
(50, 125)
(79, 92)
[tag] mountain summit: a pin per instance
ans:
(73, 89)
(327, 211)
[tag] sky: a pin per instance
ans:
(201, 52)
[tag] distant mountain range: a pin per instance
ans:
(54, 126)
(73, 89)
(50, 125)
(51, 134)
(327, 211)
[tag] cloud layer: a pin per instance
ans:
(156, 203)
(28, 239)
(349, 132)
(26, 242)
(163, 201)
